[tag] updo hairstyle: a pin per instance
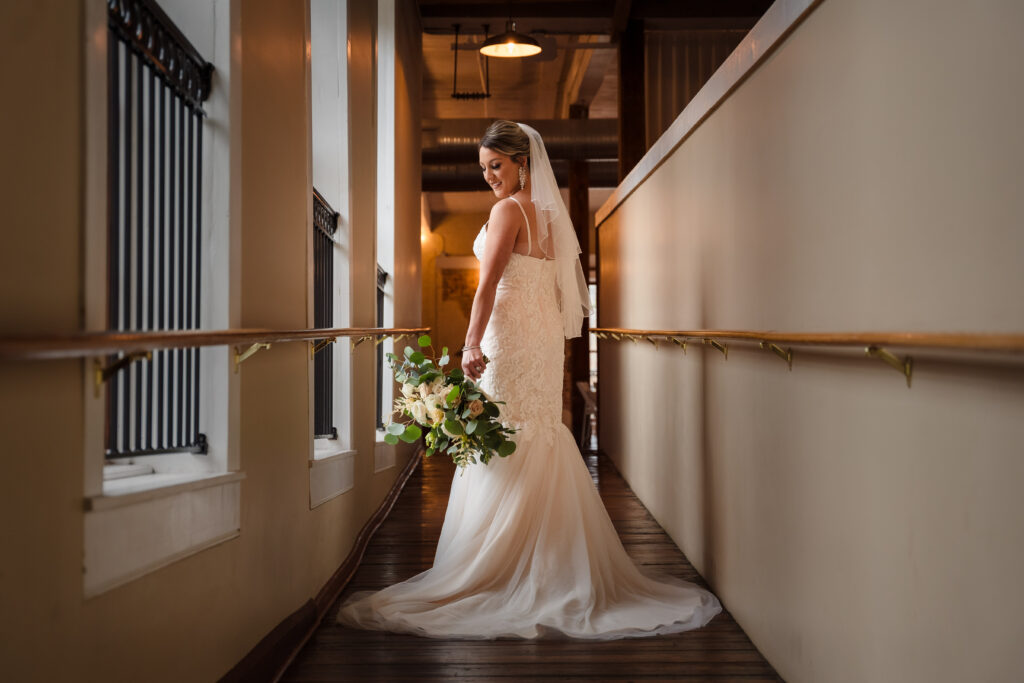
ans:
(506, 137)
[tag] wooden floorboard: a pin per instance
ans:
(404, 546)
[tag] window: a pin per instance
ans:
(157, 83)
(157, 257)
(325, 224)
(332, 460)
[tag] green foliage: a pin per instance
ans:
(411, 434)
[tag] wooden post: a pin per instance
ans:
(579, 211)
(632, 115)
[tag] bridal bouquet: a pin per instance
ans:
(458, 417)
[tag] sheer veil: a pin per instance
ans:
(557, 238)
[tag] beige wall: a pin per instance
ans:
(866, 177)
(451, 241)
(194, 619)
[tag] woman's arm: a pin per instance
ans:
(502, 229)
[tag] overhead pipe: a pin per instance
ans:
(454, 141)
(468, 177)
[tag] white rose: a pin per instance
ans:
(418, 411)
(434, 408)
(425, 390)
(408, 390)
(437, 387)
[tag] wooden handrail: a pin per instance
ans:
(88, 344)
(957, 341)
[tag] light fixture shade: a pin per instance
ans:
(510, 44)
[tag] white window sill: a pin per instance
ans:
(332, 472)
(154, 520)
(325, 450)
(134, 490)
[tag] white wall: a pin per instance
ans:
(864, 178)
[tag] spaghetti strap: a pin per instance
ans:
(529, 240)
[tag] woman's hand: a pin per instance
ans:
(473, 363)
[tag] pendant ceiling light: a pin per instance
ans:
(510, 44)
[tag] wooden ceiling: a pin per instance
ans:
(579, 63)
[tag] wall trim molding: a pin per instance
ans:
(768, 33)
(272, 656)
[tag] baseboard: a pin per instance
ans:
(275, 652)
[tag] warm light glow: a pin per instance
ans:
(510, 48)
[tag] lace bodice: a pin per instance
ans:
(524, 341)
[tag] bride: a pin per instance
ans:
(527, 548)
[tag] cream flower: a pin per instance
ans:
(425, 390)
(408, 390)
(476, 407)
(433, 405)
(418, 411)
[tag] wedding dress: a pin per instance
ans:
(527, 548)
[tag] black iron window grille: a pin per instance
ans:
(325, 224)
(382, 281)
(157, 82)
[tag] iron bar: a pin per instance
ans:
(134, 372)
(123, 255)
(113, 219)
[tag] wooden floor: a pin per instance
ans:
(404, 546)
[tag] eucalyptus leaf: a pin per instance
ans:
(396, 428)
(453, 427)
(408, 351)
(457, 375)
(452, 395)
(471, 426)
(417, 357)
(424, 340)
(412, 434)
(391, 439)
(507, 448)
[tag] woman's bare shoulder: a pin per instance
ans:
(504, 209)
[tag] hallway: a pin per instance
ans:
(404, 546)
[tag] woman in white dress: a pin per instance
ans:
(527, 548)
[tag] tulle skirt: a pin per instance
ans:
(527, 550)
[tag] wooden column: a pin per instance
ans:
(632, 118)
(578, 353)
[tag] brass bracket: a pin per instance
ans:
(242, 356)
(379, 340)
(905, 366)
(653, 341)
(361, 340)
(102, 374)
(680, 344)
(784, 354)
(316, 346)
(718, 345)
(632, 337)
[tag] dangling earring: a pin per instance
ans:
(522, 177)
